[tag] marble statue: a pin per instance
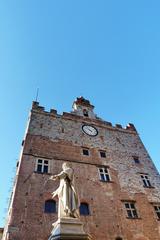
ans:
(68, 199)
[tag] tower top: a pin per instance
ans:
(83, 107)
(83, 102)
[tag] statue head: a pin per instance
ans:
(65, 165)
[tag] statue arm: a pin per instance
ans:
(54, 177)
(58, 176)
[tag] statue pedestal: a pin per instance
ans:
(68, 229)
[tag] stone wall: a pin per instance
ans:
(60, 138)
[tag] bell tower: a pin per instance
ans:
(82, 107)
(115, 179)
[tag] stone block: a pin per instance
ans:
(68, 229)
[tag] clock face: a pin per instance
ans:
(89, 130)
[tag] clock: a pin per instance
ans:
(90, 130)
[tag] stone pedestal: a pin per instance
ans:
(68, 229)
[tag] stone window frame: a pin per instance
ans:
(85, 112)
(86, 204)
(102, 152)
(136, 159)
(131, 209)
(85, 149)
(43, 164)
(46, 208)
(104, 174)
(146, 180)
(156, 207)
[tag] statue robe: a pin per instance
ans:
(68, 198)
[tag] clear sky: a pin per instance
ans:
(107, 51)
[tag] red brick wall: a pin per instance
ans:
(59, 139)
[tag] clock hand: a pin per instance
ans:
(90, 130)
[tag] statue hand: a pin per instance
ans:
(53, 178)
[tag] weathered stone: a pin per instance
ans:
(59, 138)
(68, 228)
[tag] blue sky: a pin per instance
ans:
(107, 51)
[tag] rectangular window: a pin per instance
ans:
(42, 166)
(146, 181)
(131, 210)
(136, 159)
(157, 210)
(102, 154)
(104, 174)
(85, 151)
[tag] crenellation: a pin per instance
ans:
(131, 126)
(53, 111)
(72, 115)
(107, 123)
(35, 105)
(118, 125)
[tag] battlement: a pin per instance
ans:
(36, 107)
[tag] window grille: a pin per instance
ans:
(131, 210)
(146, 181)
(104, 174)
(42, 166)
(157, 211)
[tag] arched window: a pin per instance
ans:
(50, 206)
(84, 209)
(85, 112)
(118, 238)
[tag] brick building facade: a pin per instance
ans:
(117, 182)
